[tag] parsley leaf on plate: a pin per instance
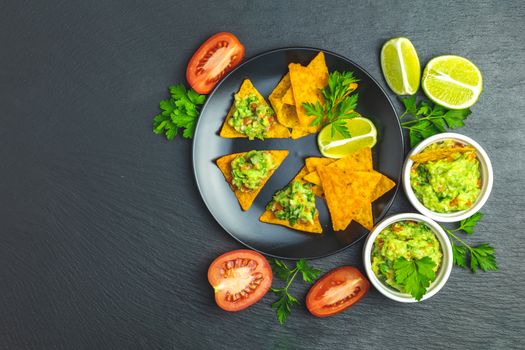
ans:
(178, 112)
(339, 103)
(414, 275)
(283, 305)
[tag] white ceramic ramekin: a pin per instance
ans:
(442, 274)
(487, 178)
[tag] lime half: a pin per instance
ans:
(400, 66)
(452, 82)
(364, 134)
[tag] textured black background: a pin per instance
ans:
(105, 242)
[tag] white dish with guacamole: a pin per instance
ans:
(402, 250)
(452, 188)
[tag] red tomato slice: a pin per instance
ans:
(336, 291)
(239, 278)
(213, 60)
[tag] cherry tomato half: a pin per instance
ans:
(239, 278)
(336, 291)
(213, 60)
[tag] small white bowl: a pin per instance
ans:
(487, 178)
(442, 274)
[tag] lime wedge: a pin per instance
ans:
(452, 82)
(400, 66)
(364, 134)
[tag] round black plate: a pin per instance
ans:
(265, 71)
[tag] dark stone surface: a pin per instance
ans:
(105, 242)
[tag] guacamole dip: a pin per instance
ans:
(408, 239)
(295, 202)
(251, 117)
(449, 184)
(249, 170)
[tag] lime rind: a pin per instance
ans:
(400, 65)
(449, 81)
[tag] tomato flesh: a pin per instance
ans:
(336, 291)
(240, 278)
(215, 58)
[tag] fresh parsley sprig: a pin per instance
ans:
(178, 112)
(415, 275)
(429, 119)
(481, 256)
(283, 306)
(339, 103)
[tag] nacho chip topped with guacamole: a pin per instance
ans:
(251, 117)
(248, 172)
(294, 207)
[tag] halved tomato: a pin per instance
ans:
(213, 60)
(336, 291)
(239, 278)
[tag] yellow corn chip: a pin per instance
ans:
(276, 97)
(307, 83)
(437, 154)
(270, 218)
(346, 194)
(276, 130)
(383, 186)
(288, 97)
(246, 198)
(364, 216)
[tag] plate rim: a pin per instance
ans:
(257, 56)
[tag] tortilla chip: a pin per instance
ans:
(346, 193)
(364, 216)
(288, 97)
(313, 163)
(277, 130)
(357, 161)
(307, 83)
(276, 97)
(270, 218)
(246, 198)
(288, 116)
(383, 186)
(313, 178)
(441, 153)
(299, 132)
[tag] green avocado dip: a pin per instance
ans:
(449, 184)
(251, 117)
(250, 170)
(295, 203)
(410, 240)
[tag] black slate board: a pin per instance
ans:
(105, 243)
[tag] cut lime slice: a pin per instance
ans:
(452, 82)
(364, 134)
(400, 66)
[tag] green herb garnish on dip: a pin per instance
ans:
(449, 184)
(251, 117)
(250, 170)
(295, 203)
(405, 256)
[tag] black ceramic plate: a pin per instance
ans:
(265, 71)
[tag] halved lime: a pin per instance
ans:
(400, 66)
(452, 82)
(363, 131)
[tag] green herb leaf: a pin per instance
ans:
(283, 305)
(178, 112)
(482, 256)
(470, 223)
(429, 119)
(309, 273)
(414, 275)
(459, 255)
(280, 269)
(339, 102)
